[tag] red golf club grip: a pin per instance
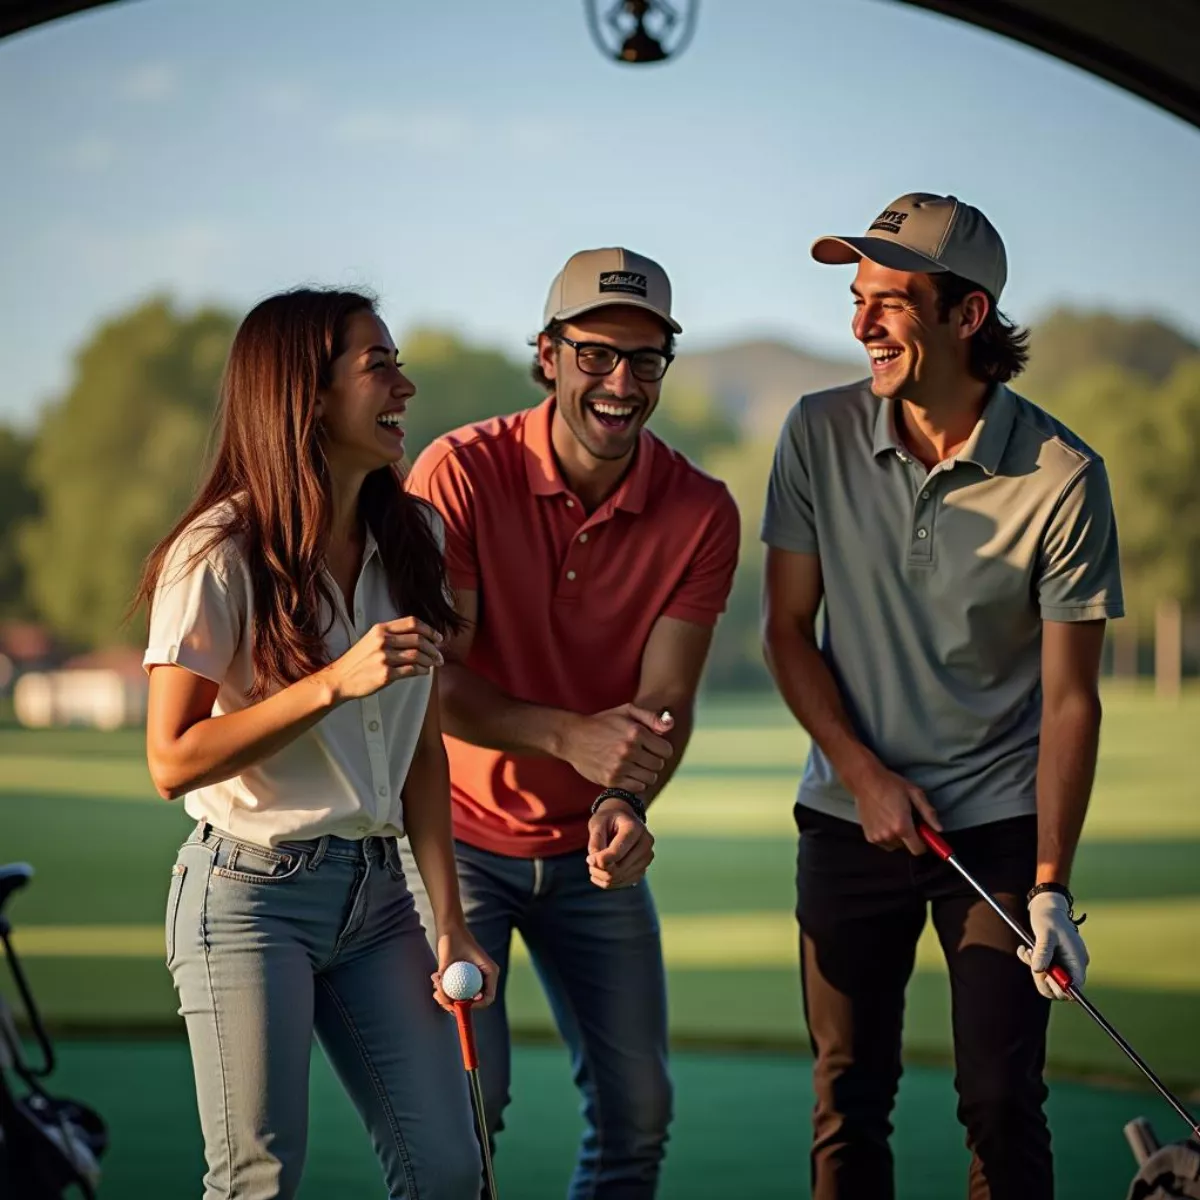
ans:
(1058, 973)
(466, 1035)
(1060, 976)
(941, 848)
(934, 841)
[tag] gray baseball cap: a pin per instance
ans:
(925, 232)
(597, 278)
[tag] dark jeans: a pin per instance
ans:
(861, 911)
(599, 958)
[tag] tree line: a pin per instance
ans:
(114, 458)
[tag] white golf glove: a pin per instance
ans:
(1057, 941)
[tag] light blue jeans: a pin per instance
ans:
(267, 947)
(599, 957)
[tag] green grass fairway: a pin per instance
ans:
(79, 806)
(739, 1129)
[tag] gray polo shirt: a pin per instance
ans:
(937, 584)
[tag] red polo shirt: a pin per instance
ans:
(566, 600)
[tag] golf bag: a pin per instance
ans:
(49, 1147)
(1164, 1172)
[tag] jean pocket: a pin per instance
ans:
(178, 871)
(248, 863)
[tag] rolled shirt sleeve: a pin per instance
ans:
(199, 610)
(1079, 571)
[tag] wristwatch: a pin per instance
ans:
(1062, 890)
(615, 793)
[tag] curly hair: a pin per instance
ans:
(999, 349)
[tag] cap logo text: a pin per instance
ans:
(889, 221)
(623, 281)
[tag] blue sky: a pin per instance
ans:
(451, 155)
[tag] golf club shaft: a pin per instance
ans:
(942, 849)
(484, 1144)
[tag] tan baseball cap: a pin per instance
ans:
(597, 278)
(925, 232)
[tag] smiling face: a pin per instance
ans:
(362, 410)
(604, 413)
(916, 353)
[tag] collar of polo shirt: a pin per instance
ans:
(984, 447)
(545, 479)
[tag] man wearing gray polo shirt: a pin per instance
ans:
(964, 545)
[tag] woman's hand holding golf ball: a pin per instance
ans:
(469, 972)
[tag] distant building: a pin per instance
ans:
(106, 689)
(25, 646)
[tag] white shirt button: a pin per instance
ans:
(358, 614)
(382, 791)
(374, 725)
(583, 537)
(570, 574)
(922, 533)
(570, 503)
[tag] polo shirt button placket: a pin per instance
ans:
(568, 586)
(581, 540)
(921, 548)
(576, 547)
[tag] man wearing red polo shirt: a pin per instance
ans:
(591, 562)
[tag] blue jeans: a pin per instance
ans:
(599, 958)
(267, 947)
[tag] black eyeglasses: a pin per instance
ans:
(596, 358)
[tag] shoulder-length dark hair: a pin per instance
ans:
(999, 349)
(270, 472)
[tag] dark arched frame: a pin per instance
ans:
(1148, 47)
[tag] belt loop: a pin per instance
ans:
(319, 853)
(202, 828)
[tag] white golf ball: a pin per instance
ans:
(462, 981)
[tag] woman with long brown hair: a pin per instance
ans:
(296, 614)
